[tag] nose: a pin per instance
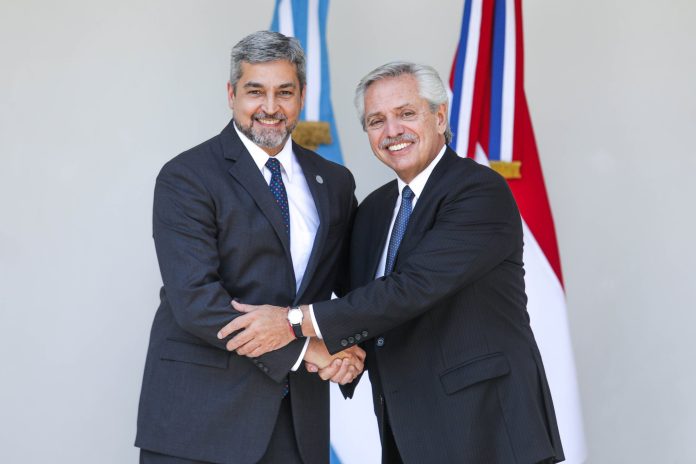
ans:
(393, 127)
(270, 105)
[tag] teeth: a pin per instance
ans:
(398, 147)
(269, 121)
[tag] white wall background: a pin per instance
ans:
(95, 96)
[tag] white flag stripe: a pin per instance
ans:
(547, 310)
(313, 52)
(285, 21)
(354, 431)
(469, 77)
(507, 122)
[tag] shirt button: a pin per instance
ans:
(380, 341)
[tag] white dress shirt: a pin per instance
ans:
(304, 218)
(417, 185)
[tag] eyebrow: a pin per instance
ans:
(258, 85)
(379, 112)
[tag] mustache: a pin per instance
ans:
(264, 115)
(398, 139)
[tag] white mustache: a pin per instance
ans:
(398, 139)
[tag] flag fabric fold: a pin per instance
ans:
(491, 123)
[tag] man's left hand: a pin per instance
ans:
(263, 328)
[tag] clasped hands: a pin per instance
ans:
(264, 328)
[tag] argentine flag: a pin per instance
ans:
(306, 21)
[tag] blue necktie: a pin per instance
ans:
(278, 190)
(399, 228)
(281, 197)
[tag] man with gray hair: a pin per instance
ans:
(247, 215)
(438, 297)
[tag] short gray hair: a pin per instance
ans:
(264, 47)
(430, 87)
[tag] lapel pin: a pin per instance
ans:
(320, 179)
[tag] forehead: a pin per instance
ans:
(392, 93)
(269, 73)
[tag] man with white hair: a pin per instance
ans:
(438, 297)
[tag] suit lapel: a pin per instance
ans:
(424, 206)
(245, 171)
(317, 183)
(381, 217)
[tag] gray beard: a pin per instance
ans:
(265, 138)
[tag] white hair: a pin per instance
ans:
(430, 87)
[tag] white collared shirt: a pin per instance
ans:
(417, 185)
(304, 218)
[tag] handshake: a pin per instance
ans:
(265, 328)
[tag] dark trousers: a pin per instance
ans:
(390, 452)
(281, 449)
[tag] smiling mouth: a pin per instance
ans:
(399, 146)
(269, 121)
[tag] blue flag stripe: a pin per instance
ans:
(459, 72)
(498, 68)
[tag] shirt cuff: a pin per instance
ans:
(314, 322)
(299, 360)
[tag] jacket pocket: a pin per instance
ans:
(175, 350)
(474, 371)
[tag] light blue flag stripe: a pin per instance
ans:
(300, 26)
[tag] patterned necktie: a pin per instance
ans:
(278, 190)
(281, 197)
(399, 228)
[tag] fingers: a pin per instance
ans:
(239, 340)
(243, 308)
(342, 372)
(350, 375)
(313, 368)
(329, 371)
(238, 323)
(359, 352)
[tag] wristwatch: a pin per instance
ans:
(295, 317)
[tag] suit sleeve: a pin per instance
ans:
(343, 267)
(476, 227)
(185, 234)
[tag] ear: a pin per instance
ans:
(230, 95)
(302, 96)
(441, 116)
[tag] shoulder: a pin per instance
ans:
(464, 183)
(196, 160)
(457, 174)
(336, 173)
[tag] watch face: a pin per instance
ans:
(295, 316)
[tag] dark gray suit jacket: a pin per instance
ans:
(219, 235)
(451, 352)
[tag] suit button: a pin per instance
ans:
(358, 337)
(351, 340)
(364, 333)
(265, 369)
(344, 342)
(380, 341)
(260, 365)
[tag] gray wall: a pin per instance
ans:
(96, 96)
